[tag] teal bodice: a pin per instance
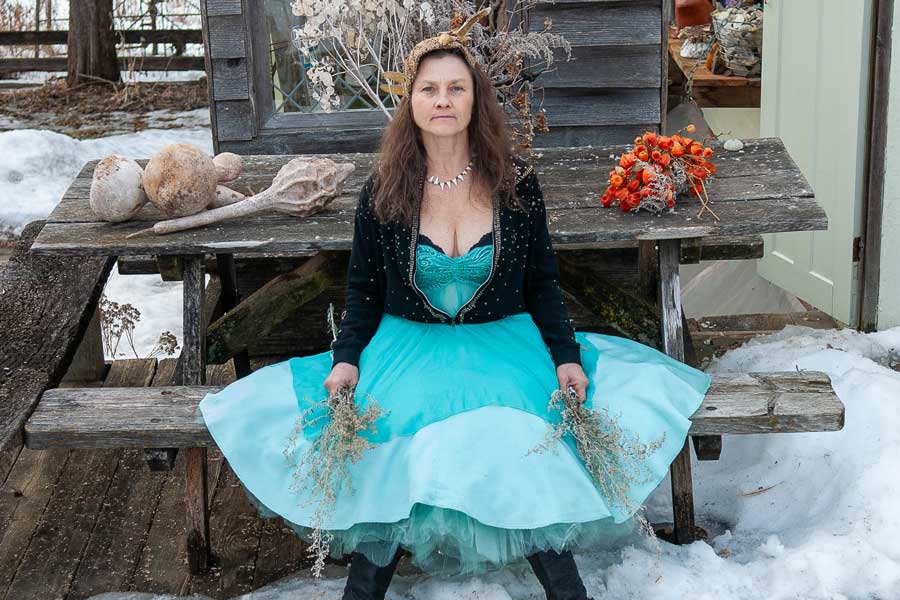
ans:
(449, 282)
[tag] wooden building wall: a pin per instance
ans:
(612, 88)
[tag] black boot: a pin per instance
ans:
(368, 581)
(558, 575)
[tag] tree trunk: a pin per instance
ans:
(92, 42)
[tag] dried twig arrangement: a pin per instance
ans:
(349, 44)
(323, 470)
(615, 459)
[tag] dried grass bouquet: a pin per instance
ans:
(615, 458)
(359, 40)
(322, 472)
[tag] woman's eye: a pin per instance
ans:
(456, 88)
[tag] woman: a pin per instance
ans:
(455, 324)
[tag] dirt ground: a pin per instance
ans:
(90, 111)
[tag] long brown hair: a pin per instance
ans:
(401, 164)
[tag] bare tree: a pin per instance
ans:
(92, 42)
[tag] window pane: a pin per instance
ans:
(290, 87)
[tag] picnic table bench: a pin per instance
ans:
(756, 190)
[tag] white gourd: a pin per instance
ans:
(117, 192)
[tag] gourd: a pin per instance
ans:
(117, 191)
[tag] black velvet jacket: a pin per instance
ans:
(524, 277)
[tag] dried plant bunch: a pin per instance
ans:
(322, 472)
(657, 168)
(356, 40)
(615, 458)
(118, 321)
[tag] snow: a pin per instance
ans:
(159, 303)
(800, 515)
(37, 77)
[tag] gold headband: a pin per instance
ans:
(456, 38)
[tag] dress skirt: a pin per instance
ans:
(450, 477)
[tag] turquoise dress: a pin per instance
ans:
(450, 477)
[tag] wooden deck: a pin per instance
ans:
(75, 523)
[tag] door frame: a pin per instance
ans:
(873, 196)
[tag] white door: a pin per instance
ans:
(815, 82)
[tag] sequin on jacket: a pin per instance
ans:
(524, 277)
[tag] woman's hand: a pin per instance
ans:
(342, 374)
(571, 374)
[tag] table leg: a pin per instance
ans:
(194, 373)
(673, 345)
(230, 299)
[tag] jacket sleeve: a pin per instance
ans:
(365, 301)
(543, 297)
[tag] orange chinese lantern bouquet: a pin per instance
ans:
(652, 173)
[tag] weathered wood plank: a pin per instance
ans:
(56, 554)
(193, 372)
(88, 364)
(235, 120)
(223, 7)
(605, 67)
(280, 553)
(230, 79)
(711, 248)
(271, 305)
(163, 565)
(127, 36)
(46, 305)
(300, 138)
(568, 107)
(600, 23)
(52, 557)
(673, 345)
(235, 530)
(561, 191)
(554, 166)
(23, 499)
(227, 36)
(137, 417)
(147, 63)
(587, 135)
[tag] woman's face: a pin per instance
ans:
(442, 96)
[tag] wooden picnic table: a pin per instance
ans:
(756, 190)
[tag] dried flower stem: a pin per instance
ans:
(615, 459)
(323, 470)
(322, 473)
(704, 200)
